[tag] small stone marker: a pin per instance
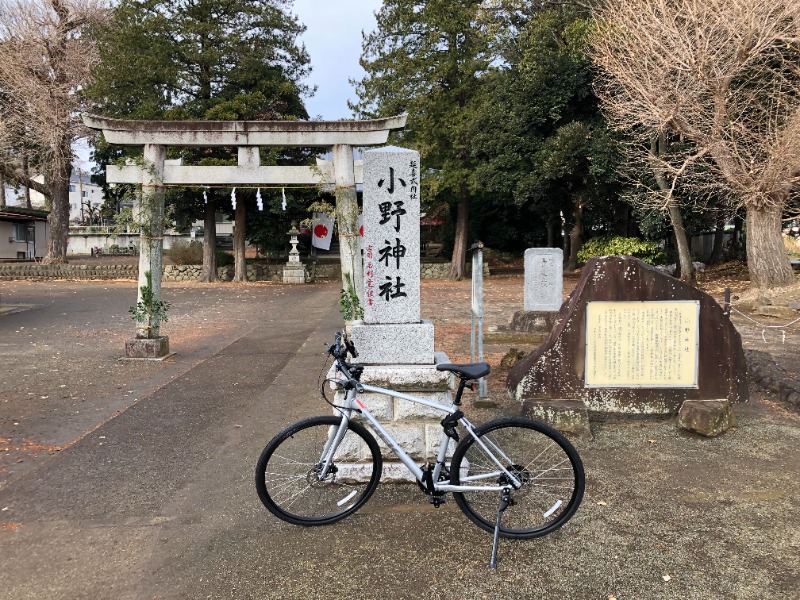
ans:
(544, 279)
(544, 289)
(706, 417)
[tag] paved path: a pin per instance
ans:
(158, 501)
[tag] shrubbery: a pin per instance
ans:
(186, 253)
(649, 252)
(224, 259)
(191, 253)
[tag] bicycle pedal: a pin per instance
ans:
(437, 501)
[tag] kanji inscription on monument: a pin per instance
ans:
(391, 236)
(642, 344)
(544, 275)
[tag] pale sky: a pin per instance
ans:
(333, 41)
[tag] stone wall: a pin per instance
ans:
(439, 270)
(68, 271)
(255, 272)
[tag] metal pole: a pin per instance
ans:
(477, 311)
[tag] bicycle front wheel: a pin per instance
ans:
(288, 472)
(541, 458)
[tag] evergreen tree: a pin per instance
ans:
(425, 58)
(206, 60)
(539, 140)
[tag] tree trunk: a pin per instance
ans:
(658, 146)
(240, 266)
(58, 219)
(736, 241)
(687, 274)
(767, 260)
(457, 269)
(2, 190)
(551, 234)
(210, 243)
(27, 171)
(622, 219)
(575, 237)
(719, 241)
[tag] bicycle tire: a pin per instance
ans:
(548, 464)
(286, 472)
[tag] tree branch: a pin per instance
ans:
(18, 176)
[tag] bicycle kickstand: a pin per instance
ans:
(505, 501)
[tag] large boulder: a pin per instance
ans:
(555, 370)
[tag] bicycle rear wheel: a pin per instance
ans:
(287, 472)
(544, 460)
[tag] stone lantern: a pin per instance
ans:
(294, 271)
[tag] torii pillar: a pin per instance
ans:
(347, 217)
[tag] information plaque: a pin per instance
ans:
(642, 344)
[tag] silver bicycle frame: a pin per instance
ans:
(352, 403)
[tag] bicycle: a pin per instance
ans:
(513, 476)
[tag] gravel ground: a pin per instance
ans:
(666, 515)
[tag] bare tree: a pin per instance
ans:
(724, 76)
(46, 55)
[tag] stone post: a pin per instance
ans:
(392, 332)
(150, 215)
(347, 218)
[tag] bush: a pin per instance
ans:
(191, 253)
(224, 259)
(187, 253)
(649, 252)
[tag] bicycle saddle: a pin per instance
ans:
(467, 371)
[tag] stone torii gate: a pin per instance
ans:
(248, 136)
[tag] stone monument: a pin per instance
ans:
(544, 287)
(393, 342)
(630, 339)
(392, 332)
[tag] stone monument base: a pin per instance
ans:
(568, 416)
(294, 274)
(533, 321)
(393, 343)
(416, 427)
(156, 348)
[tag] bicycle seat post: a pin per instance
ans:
(460, 391)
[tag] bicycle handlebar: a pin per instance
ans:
(339, 350)
(342, 346)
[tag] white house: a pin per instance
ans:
(85, 198)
